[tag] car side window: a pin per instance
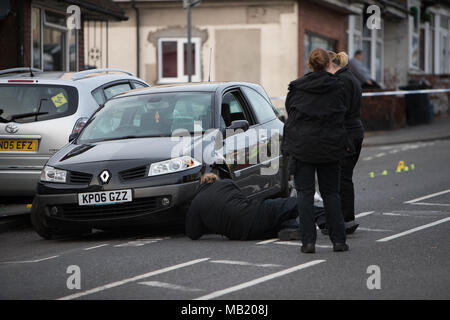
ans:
(137, 85)
(232, 109)
(98, 96)
(262, 108)
(115, 89)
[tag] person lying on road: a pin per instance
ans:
(220, 207)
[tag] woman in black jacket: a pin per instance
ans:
(355, 129)
(316, 139)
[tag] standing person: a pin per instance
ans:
(220, 207)
(316, 139)
(355, 129)
(360, 71)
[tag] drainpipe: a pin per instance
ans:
(138, 42)
(20, 23)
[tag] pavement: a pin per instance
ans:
(400, 251)
(437, 130)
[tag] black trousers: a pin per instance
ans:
(328, 175)
(347, 191)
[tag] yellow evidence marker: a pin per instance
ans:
(372, 174)
(385, 173)
(401, 166)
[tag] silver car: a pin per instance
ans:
(39, 111)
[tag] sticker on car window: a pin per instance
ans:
(59, 100)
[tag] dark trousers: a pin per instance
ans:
(328, 175)
(347, 191)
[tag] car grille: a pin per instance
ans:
(138, 206)
(133, 174)
(80, 177)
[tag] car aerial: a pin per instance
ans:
(131, 165)
(38, 112)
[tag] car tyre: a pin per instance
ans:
(38, 222)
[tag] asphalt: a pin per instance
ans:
(164, 264)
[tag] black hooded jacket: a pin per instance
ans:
(314, 131)
(353, 100)
(221, 208)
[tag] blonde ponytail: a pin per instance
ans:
(341, 59)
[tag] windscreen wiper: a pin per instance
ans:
(26, 115)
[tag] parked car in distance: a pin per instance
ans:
(122, 169)
(38, 112)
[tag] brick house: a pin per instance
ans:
(35, 33)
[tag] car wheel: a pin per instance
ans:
(38, 222)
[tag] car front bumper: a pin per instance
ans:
(63, 209)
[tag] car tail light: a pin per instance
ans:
(79, 125)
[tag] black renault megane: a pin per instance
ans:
(137, 160)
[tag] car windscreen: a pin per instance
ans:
(150, 115)
(36, 102)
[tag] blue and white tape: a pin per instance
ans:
(388, 93)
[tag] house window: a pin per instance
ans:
(444, 45)
(414, 34)
(314, 41)
(370, 42)
(55, 48)
(172, 60)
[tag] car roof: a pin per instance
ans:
(69, 78)
(183, 87)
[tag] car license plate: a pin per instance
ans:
(18, 145)
(104, 197)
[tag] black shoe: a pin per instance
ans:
(289, 234)
(350, 227)
(337, 247)
(325, 231)
(309, 248)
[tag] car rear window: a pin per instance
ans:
(36, 102)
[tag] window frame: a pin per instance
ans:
(112, 83)
(376, 37)
(311, 34)
(248, 112)
(43, 23)
(260, 121)
(180, 61)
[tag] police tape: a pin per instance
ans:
(389, 93)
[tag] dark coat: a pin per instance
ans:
(353, 100)
(221, 208)
(314, 131)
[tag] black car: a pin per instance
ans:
(139, 158)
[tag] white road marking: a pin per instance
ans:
(29, 261)
(430, 204)
(267, 241)
(99, 246)
(379, 155)
(136, 278)
(258, 280)
(291, 243)
(139, 242)
(244, 263)
(428, 196)
(374, 230)
(414, 230)
(393, 214)
(363, 214)
(169, 286)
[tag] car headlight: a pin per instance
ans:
(50, 174)
(173, 165)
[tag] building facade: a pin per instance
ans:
(268, 41)
(35, 33)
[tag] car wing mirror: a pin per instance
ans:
(239, 124)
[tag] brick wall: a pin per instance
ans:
(323, 21)
(383, 112)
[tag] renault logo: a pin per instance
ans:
(11, 128)
(104, 176)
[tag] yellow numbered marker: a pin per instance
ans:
(385, 173)
(372, 174)
(401, 166)
(413, 167)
